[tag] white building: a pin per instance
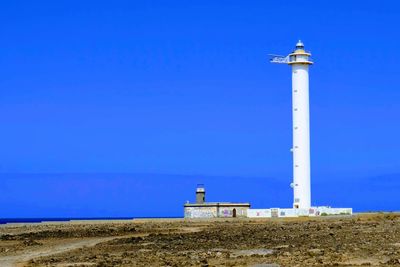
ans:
(203, 209)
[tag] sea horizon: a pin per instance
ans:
(88, 195)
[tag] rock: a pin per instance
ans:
(31, 242)
(193, 257)
(282, 246)
(204, 263)
(393, 261)
(266, 265)
(315, 252)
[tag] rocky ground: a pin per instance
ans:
(369, 239)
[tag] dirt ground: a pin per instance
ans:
(361, 240)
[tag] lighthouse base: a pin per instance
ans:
(311, 212)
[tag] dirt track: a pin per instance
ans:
(363, 240)
(42, 251)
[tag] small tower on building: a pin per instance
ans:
(200, 194)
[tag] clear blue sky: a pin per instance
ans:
(171, 93)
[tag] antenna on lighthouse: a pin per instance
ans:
(278, 59)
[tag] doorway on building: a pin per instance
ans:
(234, 213)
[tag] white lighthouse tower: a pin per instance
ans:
(300, 61)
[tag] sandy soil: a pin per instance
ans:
(367, 239)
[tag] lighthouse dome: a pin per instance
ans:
(300, 45)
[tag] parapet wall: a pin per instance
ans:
(313, 211)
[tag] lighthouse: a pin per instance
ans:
(300, 61)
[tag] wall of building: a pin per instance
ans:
(228, 211)
(313, 211)
(215, 211)
(259, 213)
(321, 211)
(201, 212)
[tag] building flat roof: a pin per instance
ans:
(217, 204)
